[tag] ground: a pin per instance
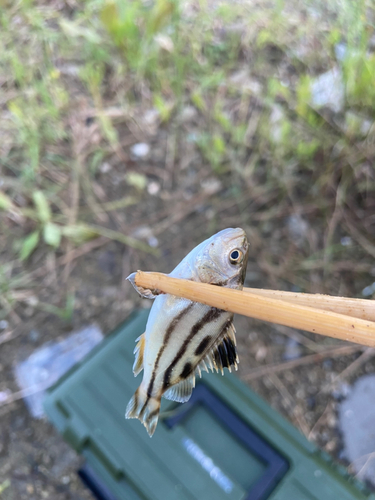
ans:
(118, 156)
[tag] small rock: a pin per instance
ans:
(253, 336)
(4, 324)
(151, 116)
(330, 446)
(34, 335)
(70, 69)
(357, 125)
(242, 80)
(188, 113)
(277, 118)
(328, 91)
(346, 241)
(192, 137)
(145, 232)
(341, 391)
(153, 188)
(94, 301)
(292, 350)
(105, 167)
(261, 353)
(153, 242)
(165, 42)
(341, 51)
(140, 150)
(327, 364)
(48, 363)
(331, 420)
(30, 489)
(4, 395)
(357, 423)
(211, 185)
(32, 300)
(369, 290)
(142, 232)
(298, 229)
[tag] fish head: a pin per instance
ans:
(222, 259)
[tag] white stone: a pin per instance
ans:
(328, 91)
(153, 188)
(357, 423)
(140, 150)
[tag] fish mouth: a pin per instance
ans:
(237, 233)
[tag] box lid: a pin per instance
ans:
(226, 443)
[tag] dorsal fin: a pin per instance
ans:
(181, 392)
(223, 354)
(138, 351)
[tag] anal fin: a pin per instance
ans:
(138, 351)
(182, 391)
(223, 354)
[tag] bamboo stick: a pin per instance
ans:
(359, 308)
(314, 320)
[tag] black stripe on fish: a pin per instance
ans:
(225, 353)
(203, 346)
(167, 335)
(231, 350)
(153, 413)
(188, 368)
(220, 356)
(211, 315)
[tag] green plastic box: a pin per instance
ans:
(224, 444)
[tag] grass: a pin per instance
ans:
(78, 81)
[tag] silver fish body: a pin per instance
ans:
(182, 337)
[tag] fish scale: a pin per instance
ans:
(182, 337)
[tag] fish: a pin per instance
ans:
(182, 337)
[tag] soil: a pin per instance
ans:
(34, 456)
(185, 201)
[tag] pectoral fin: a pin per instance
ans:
(223, 354)
(143, 292)
(138, 352)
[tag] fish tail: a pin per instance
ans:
(145, 408)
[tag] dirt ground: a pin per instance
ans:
(37, 460)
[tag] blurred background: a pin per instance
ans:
(131, 131)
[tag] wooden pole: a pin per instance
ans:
(359, 308)
(303, 317)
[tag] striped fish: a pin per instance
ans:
(182, 337)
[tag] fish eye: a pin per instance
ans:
(235, 256)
